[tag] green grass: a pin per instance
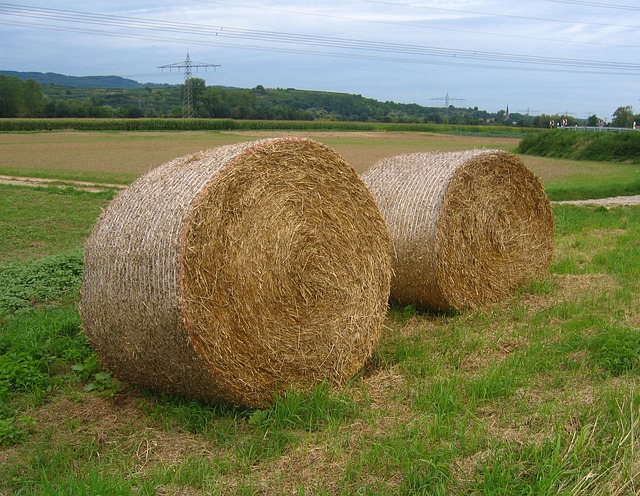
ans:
(536, 395)
(598, 240)
(582, 180)
(45, 221)
(582, 187)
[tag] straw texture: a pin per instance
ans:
(467, 227)
(238, 272)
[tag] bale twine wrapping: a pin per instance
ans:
(238, 272)
(467, 227)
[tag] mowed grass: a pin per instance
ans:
(535, 395)
(45, 221)
(580, 179)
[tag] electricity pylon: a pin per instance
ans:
(527, 110)
(446, 100)
(187, 95)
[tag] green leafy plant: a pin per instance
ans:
(101, 382)
(25, 284)
(97, 380)
(20, 372)
(14, 431)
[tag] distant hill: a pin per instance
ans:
(109, 96)
(104, 82)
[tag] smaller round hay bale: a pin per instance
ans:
(467, 227)
(239, 272)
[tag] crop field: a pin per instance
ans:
(539, 394)
(119, 156)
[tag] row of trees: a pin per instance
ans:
(20, 98)
(623, 117)
(27, 98)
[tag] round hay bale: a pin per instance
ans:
(238, 272)
(467, 227)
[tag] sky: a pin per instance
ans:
(533, 56)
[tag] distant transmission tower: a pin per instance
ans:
(187, 95)
(446, 100)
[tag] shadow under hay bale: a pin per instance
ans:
(467, 227)
(238, 272)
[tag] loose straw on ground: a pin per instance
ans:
(467, 227)
(239, 272)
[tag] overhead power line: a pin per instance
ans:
(422, 26)
(122, 26)
(528, 111)
(597, 4)
(447, 99)
(300, 51)
(187, 97)
(506, 16)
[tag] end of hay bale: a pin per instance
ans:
(239, 272)
(467, 227)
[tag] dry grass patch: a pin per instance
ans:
(492, 352)
(382, 387)
(564, 288)
(577, 286)
(118, 423)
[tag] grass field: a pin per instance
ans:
(539, 394)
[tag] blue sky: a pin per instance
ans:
(541, 56)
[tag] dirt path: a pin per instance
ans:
(97, 187)
(606, 202)
(60, 183)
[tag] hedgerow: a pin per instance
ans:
(584, 145)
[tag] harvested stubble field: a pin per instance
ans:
(535, 395)
(125, 155)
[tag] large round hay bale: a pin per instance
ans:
(238, 272)
(467, 227)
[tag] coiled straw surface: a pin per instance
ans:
(467, 227)
(238, 272)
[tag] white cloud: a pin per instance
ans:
(381, 49)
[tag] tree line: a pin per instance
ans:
(28, 98)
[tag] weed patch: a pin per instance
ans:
(24, 285)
